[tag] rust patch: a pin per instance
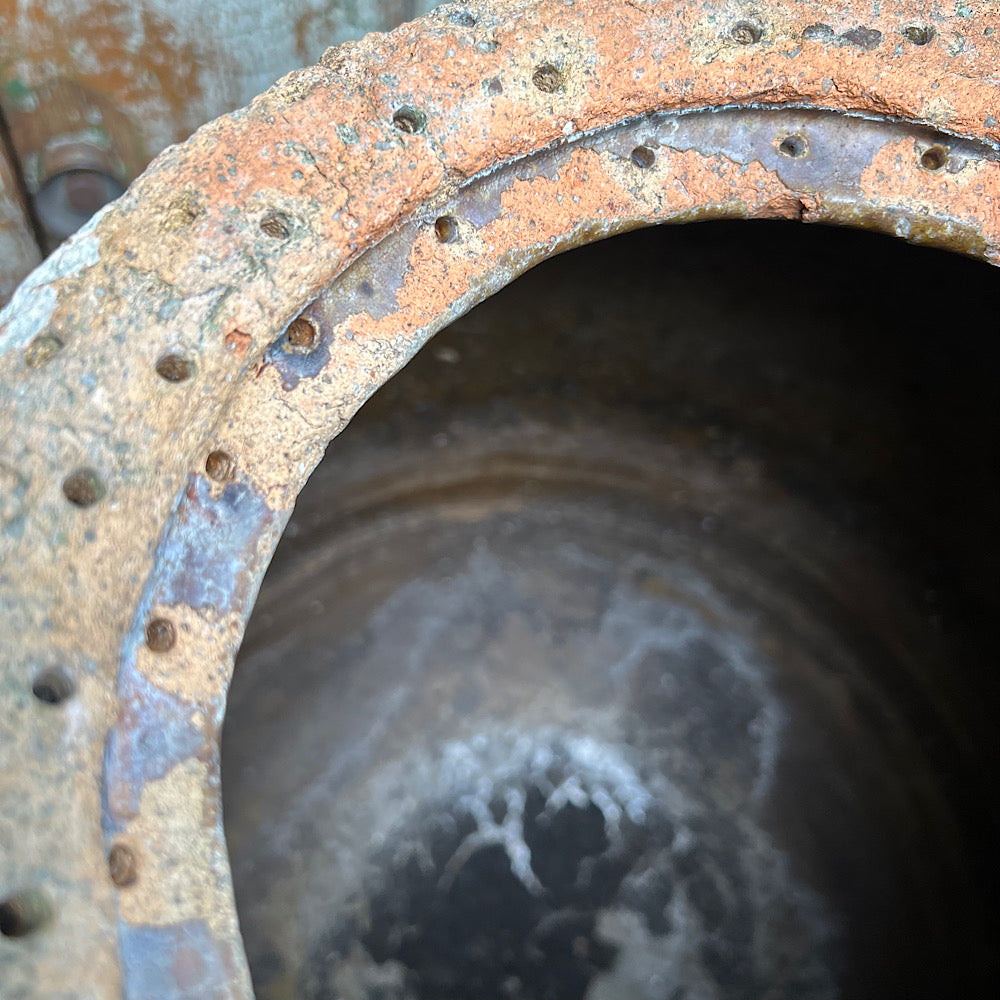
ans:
(785, 206)
(239, 343)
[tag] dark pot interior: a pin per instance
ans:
(638, 641)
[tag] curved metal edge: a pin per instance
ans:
(218, 247)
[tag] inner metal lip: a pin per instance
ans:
(979, 148)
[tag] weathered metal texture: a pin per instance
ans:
(162, 409)
(150, 73)
(18, 250)
(169, 67)
(108, 85)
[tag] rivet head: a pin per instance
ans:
(24, 913)
(83, 488)
(934, 158)
(746, 33)
(174, 367)
(548, 78)
(446, 229)
(409, 120)
(219, 465)
(643, 157)
(161, 635)
(918, 34)
(300, 337)
(122, 866)
(276, 226)
(53, 686)
(42, 350)
(793, 146)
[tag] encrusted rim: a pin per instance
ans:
(174, 372)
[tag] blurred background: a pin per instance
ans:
(92, 90)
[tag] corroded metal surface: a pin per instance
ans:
(114, 82)
(18, 250)
(456, 151)
(165, 67)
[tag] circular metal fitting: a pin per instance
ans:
(259, 282)
(77, 180)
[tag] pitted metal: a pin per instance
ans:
(518, 123)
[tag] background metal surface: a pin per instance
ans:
(19, 251)
(106, 86)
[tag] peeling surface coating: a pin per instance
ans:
(177, 962)
(205, 556)
(154, 733)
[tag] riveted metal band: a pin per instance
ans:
(172, 374)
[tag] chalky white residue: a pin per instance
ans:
(498, 765)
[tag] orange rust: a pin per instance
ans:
(63, 108)
(163, 70)
(238, 342)
(968, 195)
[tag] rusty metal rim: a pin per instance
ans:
(157, 433)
